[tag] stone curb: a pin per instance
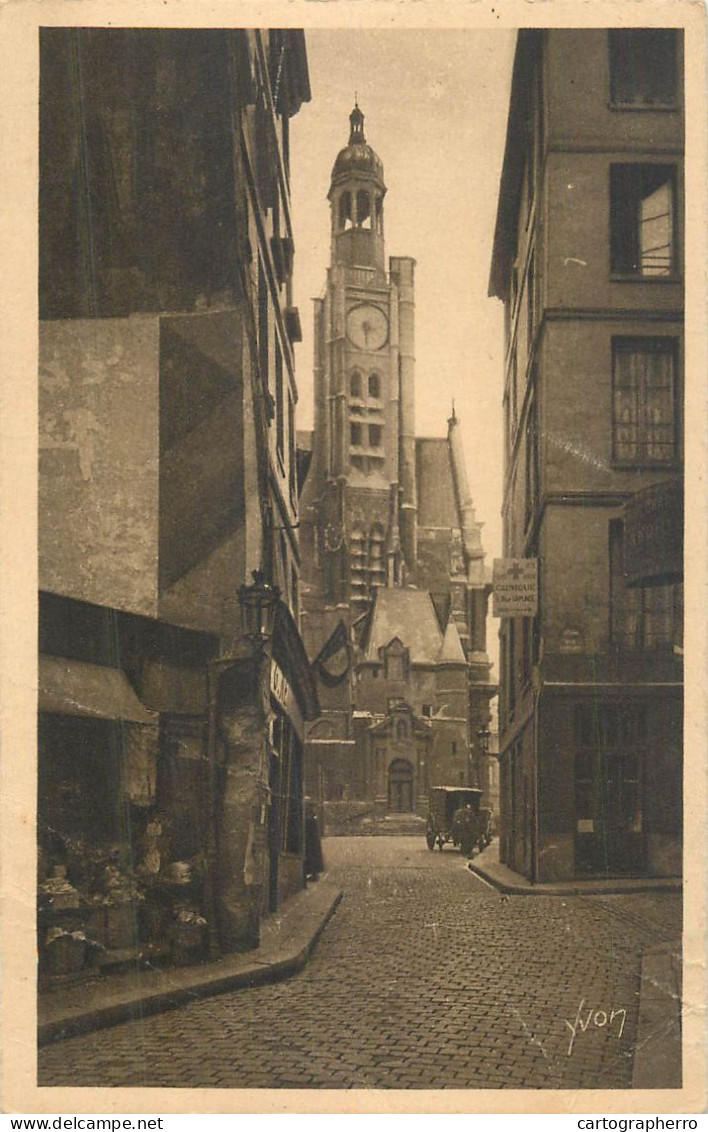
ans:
(273, 963)
(510, 884)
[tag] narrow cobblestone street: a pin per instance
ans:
(424, 978)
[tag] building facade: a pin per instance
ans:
(173, 685)
(395, 592)
(588, 262)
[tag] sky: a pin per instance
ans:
(435, 105)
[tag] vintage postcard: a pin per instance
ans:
(353, 622)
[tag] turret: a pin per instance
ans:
(356, 200)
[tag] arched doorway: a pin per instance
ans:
(400, 787)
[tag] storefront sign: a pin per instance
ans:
(515, 587)
(280, 689)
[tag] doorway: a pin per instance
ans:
(400, 787)
(609, 789)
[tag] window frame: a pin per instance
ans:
(615, 103)
(622, 274)
(647, 344)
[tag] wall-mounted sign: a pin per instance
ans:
(280, 688)
(515, 587)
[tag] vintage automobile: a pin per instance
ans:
(455, 814)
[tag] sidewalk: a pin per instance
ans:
(657, 1054)
(487, 866)
(287, 938)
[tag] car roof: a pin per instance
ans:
(458, 789)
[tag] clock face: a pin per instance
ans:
(367, 327)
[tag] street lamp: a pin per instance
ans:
(258, 605)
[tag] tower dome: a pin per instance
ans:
(357, 157)
(356, 199)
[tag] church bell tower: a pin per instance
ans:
(358, 509)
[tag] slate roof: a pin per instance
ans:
(409, 615)
(437, 505)
(452, 651)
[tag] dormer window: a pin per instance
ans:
(395, 660)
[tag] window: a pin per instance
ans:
(642, 67)
(262, 324)
(427, 711)
(644, 400)
(375, 431)
(531, 302)
(363, 209)
(642, 218)
(374, 385)
(394, 659)
(642, 619)
(355, 384)
(355, 433)
(292, 455)
(453, 748)
(532, 463)
(345, 210)
(279, 408)
(294, 590)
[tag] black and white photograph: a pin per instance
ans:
(361, 432)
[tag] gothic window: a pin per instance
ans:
(379, 214)
(395, 661)
(355, 384)
(363, 209)
(377, 569)
(357, 561)
(345, 211)
(375, 431)
(374, 385)
(355, 433)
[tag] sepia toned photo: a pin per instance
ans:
(361, 427)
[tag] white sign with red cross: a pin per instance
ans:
(515, 587)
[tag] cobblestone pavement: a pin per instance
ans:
(424, 978)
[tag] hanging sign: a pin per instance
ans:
(515, 587)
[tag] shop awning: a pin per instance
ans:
(73, 687)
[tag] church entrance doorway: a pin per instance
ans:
(400, 787)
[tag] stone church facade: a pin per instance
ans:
(394, 595)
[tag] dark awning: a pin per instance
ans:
(73, 687)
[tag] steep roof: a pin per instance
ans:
(452, 651)
(437, 506)
(409, 615)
